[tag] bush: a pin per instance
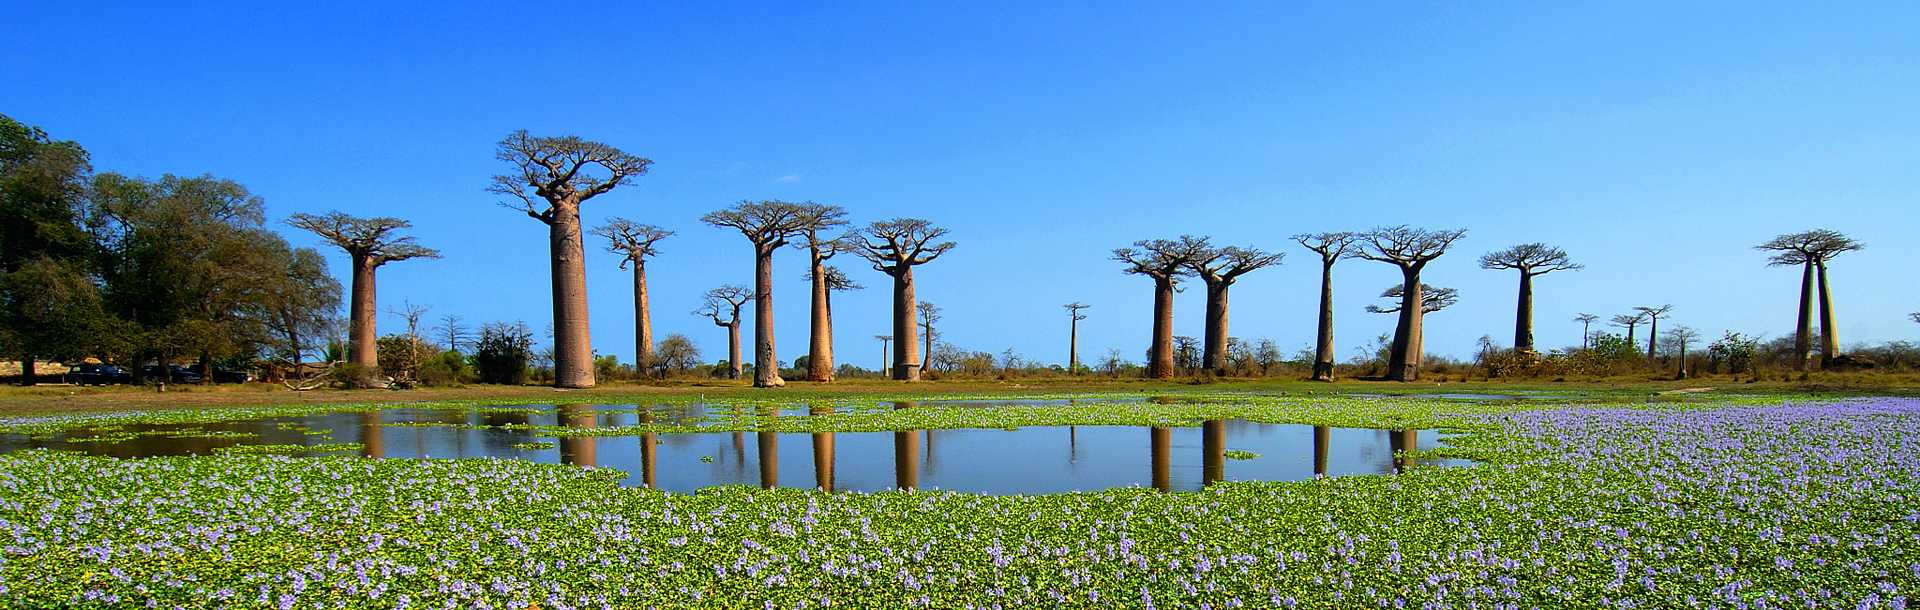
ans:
(446, 369)
(503, 352)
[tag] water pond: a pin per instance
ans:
(1045, 459)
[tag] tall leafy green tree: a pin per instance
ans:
(49, 301)
(184, 262)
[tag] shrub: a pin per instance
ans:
(503, 353)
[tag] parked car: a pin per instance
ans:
(221, 375)
(97, 374)
(173, 373)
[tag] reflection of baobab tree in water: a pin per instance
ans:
(822, 452)
(578, 450)
(1213, 451)
(373, 443)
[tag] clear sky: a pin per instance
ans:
(1654, 142)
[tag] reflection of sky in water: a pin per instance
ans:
(1026, 460)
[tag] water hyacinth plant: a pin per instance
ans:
(1785, 505)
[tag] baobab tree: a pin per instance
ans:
(370, 243)
(1073, 334)
(929, 314)
(836, 281)
(1629, 322)
(1681, 338)
(722, 305)
(819, 250)
(1530, 260)
(1810, 251)
(551, 177)
(1410, 249)
(634, 242)
(1166, 262)
(1653, 324)
(895, 247)
(1219, 268)
(1830, 244)
(768, 225)
(1586, 321)
(1331, 247)
(884, 339)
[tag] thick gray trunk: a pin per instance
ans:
(1215, 355)
(1403, 360)
(1803, 330)
(1160, 351)
(1323, 340)
(1523, 315)
(820, 335)
(1073, 346)
(766, 366)
(572, 347)
(906, 338)
(643, 326)
(1829, 334)
(360, 331)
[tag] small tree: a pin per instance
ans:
(677, 354)
(1073, 335)
(884, 339)
(1530, 260)
(1586, 321)
(895, 247)
(1410, 250)
(550, 178)
(634, 242)
(370, 243)
(722, 305)
(1331, 247)
(1165, 261)
(453, 332)
(1679, 339)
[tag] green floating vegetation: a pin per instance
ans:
(534, 445)
(284, 449)
(1240, 454)
(1784, 505)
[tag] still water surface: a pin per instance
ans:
(1025, 460)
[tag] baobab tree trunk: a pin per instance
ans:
(766, 366)
(1215, 353)
(1653, 334)
(360, 332)
(1160, 351)
(926, 355)
(906, 363)
(820, 339)
(1323, 341)
(1403, 361)
(643, 327)
(572, 349)
(1829, 334)
(1523, 315)
(1803, 331)
(1073, 345)
(733, 348)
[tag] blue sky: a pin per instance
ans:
(1654, 142)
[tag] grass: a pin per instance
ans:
(1701, 503)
